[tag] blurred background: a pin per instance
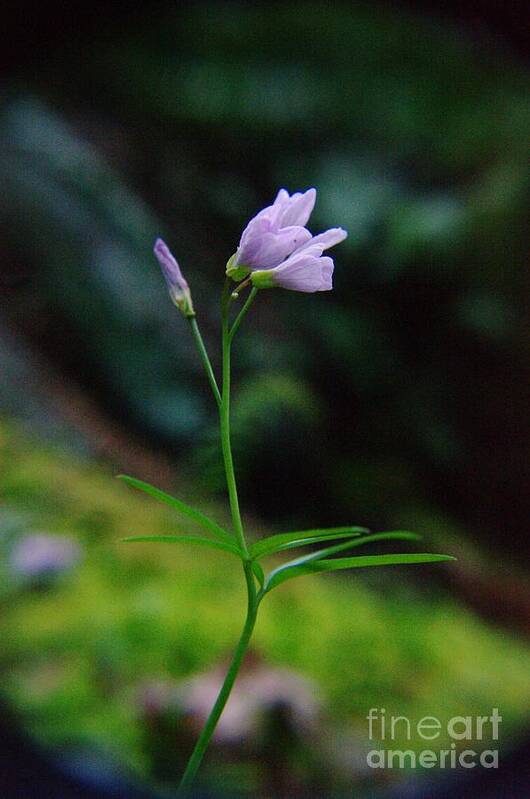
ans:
(400, 400)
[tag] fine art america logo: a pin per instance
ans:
(465, 734)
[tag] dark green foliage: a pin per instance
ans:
(391, 389)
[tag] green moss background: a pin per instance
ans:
(74, 654)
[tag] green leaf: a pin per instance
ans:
(280, 576)
(392, 535)
(186, 510)
(319, 554)
(183, 539)
(299, 538)
(258, 572)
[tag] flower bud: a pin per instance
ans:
(178, 288)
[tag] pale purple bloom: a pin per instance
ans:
(277, 249)
(41, 554)
(178, 288)
(273, 234)
(306, 269)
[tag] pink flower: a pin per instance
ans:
(178, 288)
(276, 248)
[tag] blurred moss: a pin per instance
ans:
(75, 656)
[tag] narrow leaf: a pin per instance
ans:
(277, 543)
(399, 535)
(319, 554)
(182, 539)
(275, 578)
(186, 510)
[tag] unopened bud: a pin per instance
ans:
(179, 290)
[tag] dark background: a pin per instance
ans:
(402, 397)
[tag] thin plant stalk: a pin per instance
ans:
(239, 318)
(252, 595)
(222, 698)
(204, 358)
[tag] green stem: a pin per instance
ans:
(224, 414)
(215, 714)
(253, 598)
(205, 359)
(239, 318)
